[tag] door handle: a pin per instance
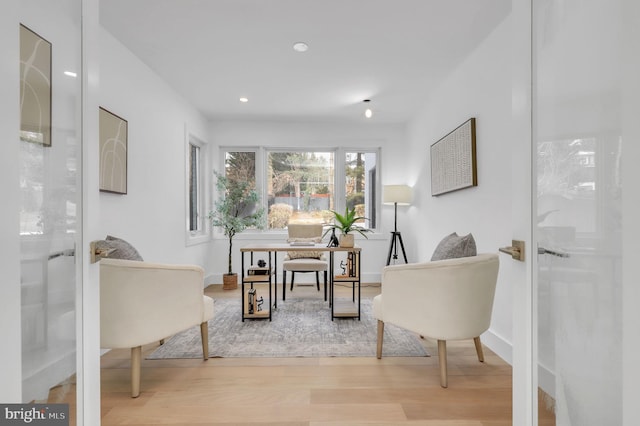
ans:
(67, 252)
(516, 250)
(542, 250)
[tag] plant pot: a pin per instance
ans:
(346, 240)
(229, 281)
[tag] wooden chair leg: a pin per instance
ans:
(478, 343)
(293, 277)
(442, 359)
(380, 338)
(318, 280)
(136, 359)
(204, 335)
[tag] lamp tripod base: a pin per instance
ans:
(396, 238)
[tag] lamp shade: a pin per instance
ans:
(401, 194)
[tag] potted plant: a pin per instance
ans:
(346, 224)
(234, 211)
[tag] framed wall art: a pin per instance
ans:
(35, 88)
(453, 160)
(113, 152)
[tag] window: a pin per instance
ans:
(239, 165)
(197, 223)
(304, 186)
(360, 185)
(194, 188)
(299, 187)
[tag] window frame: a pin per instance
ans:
(340, 201)
(203, 233)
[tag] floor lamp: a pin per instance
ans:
(396, 195)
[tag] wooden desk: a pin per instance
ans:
(341, 309)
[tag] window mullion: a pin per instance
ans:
(340, 180)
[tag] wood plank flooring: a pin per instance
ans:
(393, 391)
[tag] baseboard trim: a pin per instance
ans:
(499, 345)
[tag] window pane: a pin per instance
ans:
(194, 190)
(300, 187)
(241, 166)
(360, 185)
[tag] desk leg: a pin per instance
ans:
(331, 282)
(275, 278)
(359, 284)
(272, 307)
(242, 286)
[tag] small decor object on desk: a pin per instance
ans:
(235, 210)
(333, 240)
(346, 224)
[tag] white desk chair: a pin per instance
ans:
(305, 261)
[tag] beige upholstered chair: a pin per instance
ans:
(305, 261)
(444, 300)
(143, 302)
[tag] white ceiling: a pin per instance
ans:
(390, 51)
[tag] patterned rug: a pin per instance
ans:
(299, 328)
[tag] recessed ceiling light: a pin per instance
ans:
(70, 74)
(300, 46)
(244, 100)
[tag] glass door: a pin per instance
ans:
(50, 185)
(577, 136)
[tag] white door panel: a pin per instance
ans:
(577, 135)
(51, 205)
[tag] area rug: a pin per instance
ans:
(299, 328)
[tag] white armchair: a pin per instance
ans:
(143, 302)
(443, 300)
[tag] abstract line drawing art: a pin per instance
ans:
(35, 88)
(113, 152)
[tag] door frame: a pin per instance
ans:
(524, 400)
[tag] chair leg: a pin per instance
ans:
(318, 280)
(478, 343)
(136, 359)
(204, 335)
(442, 358)
(161, 342)
(293, 277)
(380, 336)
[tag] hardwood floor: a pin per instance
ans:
(309, 391)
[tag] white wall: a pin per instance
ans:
(151, 216)
(389, 138)
(478, 88)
